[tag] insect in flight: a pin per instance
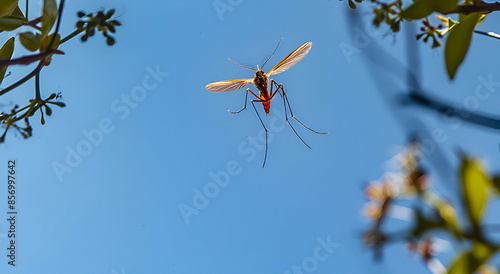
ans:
(260, 80)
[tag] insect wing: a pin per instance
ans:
(291, 59)
(227, 86)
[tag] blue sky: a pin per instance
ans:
(158, 138)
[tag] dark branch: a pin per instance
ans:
(451, 110)
(26, 60)
(483, 8)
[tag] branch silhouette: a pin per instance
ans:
(448, 108)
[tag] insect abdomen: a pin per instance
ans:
(267, 105)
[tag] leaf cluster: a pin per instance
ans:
(43, 39)
(458, 34)
(434, 215)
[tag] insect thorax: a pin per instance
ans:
(260, 81)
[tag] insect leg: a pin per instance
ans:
(277, 88)
(282, 93)
(285, 98)
(260, 101)
(246, 97)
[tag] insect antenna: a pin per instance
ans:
(272, 53)
(241, 65)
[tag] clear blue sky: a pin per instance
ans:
(157, 140)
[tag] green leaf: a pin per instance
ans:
(418, 10)
(451, 23)
(48, 17)
(45, 42)
(7, 49)
(458, 43)
(60, 104)
(444, 6)
(8, 23)
(7, 7)
(469, 262)
(18, 13)
(30, 41)
(424, 8)
(6, 53)
(475, 187)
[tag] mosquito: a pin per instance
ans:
(260, 80)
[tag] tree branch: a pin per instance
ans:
(26, 60)
(483, 8)
(451, 110)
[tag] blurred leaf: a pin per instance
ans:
(419, 9)
(423, 8)
(45, 42)
(424, 224)
(110, 13)
(30, 41)
(444, 6)
(61, 104)
(7, 7)
(458, 43)
(451, 23)
(443, 19)
(475, 184)
(18, 13)
(352, 5)
(6, 53)
(445, 210)
(9, 23)
(481, 19)
(469, 262)
(7, 49)
(447, 21)
(496, 184)
(48, 110)
(48, 17)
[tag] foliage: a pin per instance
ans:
(458, 34)
(434, 215)
(43, 38)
